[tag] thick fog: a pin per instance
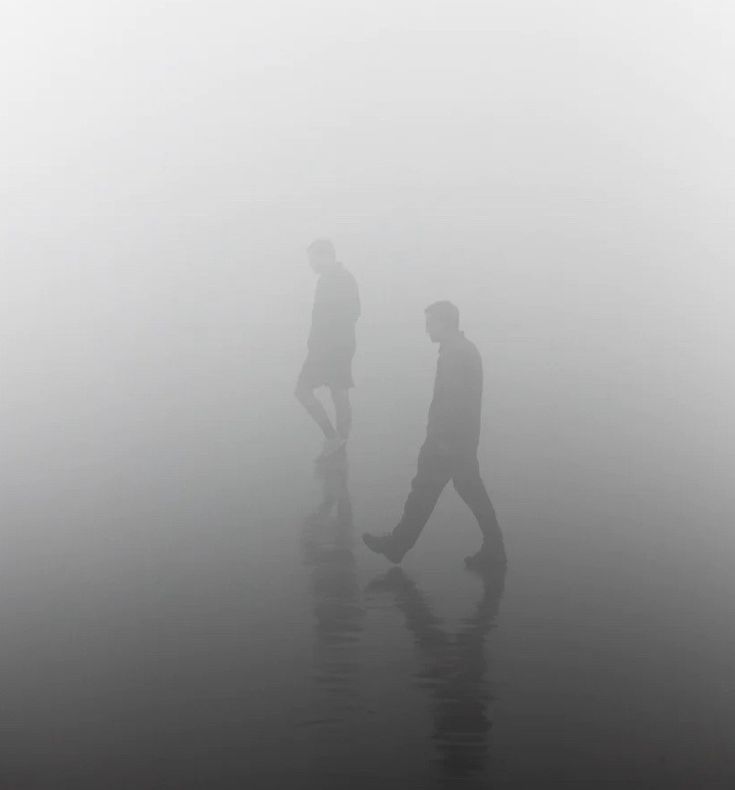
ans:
(562, 171)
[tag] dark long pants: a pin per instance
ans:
(435, 470)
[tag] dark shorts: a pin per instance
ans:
(333, 369)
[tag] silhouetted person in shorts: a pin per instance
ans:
(450, 449)
(331, 346)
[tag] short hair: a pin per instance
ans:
(322, 247)
(446, 312)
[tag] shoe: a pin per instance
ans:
(485, 559)
(330, 447)
(383, 544)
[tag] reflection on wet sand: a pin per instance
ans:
(327, 550)
(453, 665)
(453, 668)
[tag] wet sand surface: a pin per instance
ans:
(201, 611)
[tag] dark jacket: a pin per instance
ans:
(456, 408)
(336, 310)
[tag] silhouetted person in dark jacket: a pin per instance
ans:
(331, 345)
(450, 449)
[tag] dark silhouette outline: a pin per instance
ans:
(331, 346)
(450, 449)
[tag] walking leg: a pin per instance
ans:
(469, 486)
(315, 409)
(343, 411)
(433, 473)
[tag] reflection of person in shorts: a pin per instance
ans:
(331, 345)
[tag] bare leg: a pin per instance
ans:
(343, 411)
(316, 410)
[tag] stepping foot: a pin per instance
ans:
(383, 544)
(486, 560)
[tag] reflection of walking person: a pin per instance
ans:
(454, 668)
(331, 345)
(327, 550)
(450, 449)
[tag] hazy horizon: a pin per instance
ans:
(562, 171)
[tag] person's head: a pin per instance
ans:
(321, 255)
(442, 321)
